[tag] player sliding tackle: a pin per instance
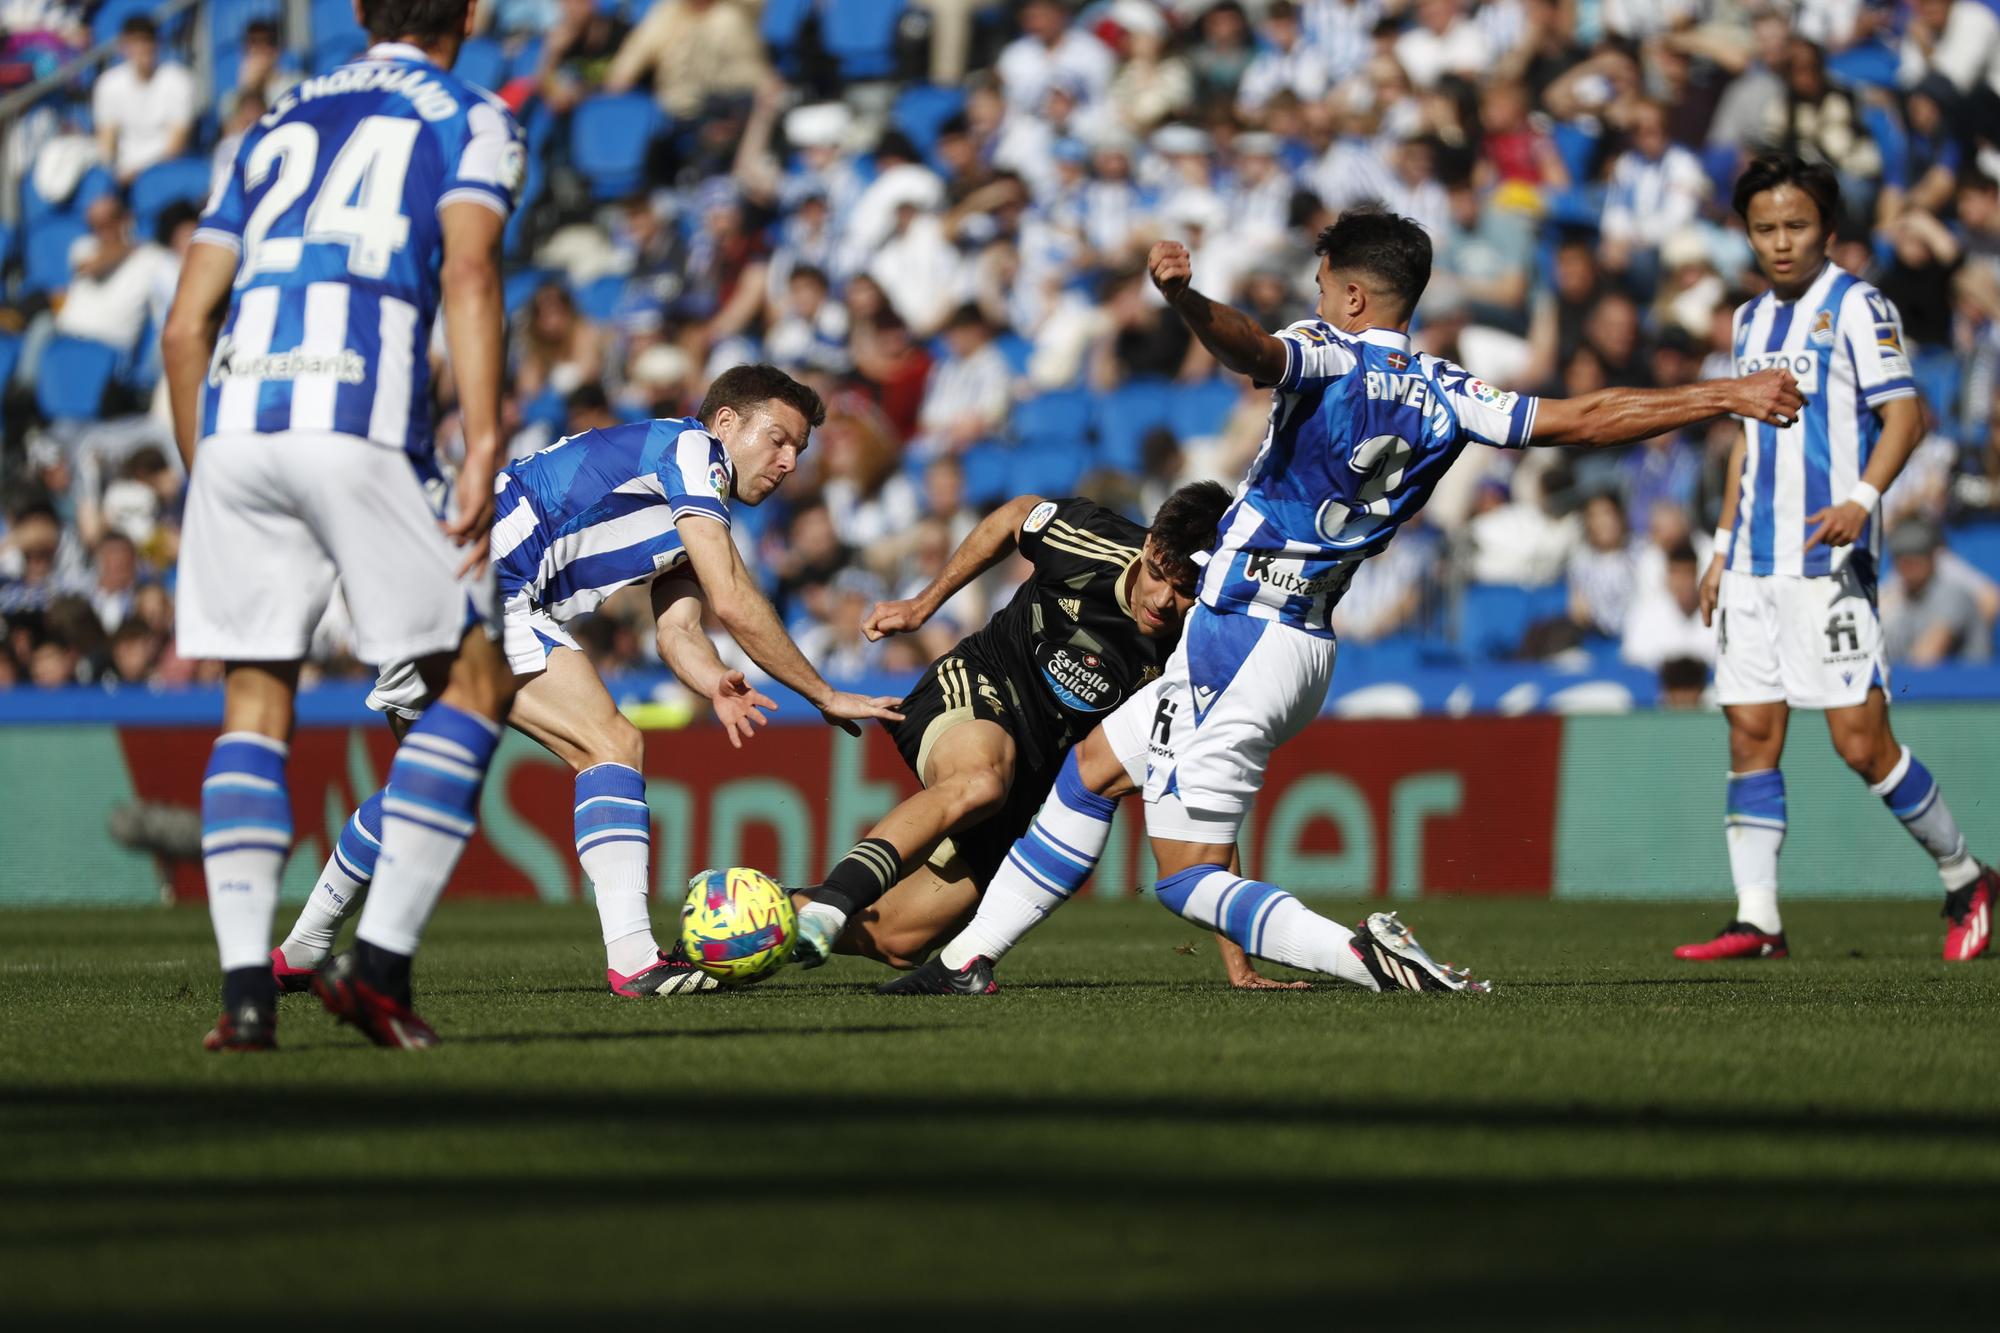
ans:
(1362, 428)
(646, 502)
(990, 723)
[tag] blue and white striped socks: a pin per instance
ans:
(1912, 795)
(429, 809)
(1046, 867)
(1265, 922)
(1754, 828)
(246, 830)
(343, 883)
(614, 841)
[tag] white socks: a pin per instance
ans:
(614, 841)
(246, 831)
(1912, 795)
(1265, 922)
(1755, 831)
(343, 882)
(429, 809)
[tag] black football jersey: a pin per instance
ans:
(1067, 644)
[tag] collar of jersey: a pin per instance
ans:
(1383, 338)
(396, 51)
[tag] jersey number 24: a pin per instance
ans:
(360, 202)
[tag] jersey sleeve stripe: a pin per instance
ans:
(228, 240)
(475, 194)
(1887, 392)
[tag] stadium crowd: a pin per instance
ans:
(936, 212)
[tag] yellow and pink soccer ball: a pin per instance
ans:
(738, 925)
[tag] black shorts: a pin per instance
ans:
(959, 689)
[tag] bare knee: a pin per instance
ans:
(973, 794)
(613, 741)
(1756, 739)
(1871, 751)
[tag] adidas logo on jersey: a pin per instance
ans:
(1071, 606)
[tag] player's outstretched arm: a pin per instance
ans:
(738, 705)
(984, 547)
(753, 622)
(188, 339)
(1620, 416)
(1231, 337)
(475, 332)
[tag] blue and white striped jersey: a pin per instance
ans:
(594, 512)
(1843, 342)
(332, 208)
(1362, 429)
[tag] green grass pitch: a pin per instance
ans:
(1610, 1140)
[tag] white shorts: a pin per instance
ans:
(1235, 689)
(528, 635)
(273, 519)
(1811, 642)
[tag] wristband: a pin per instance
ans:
(1725, 538)
(1864, 495)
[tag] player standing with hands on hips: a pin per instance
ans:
(1362, 428)
(296, 354)
(1791, 589)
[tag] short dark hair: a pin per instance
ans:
(387, 20)
(1768, 171)
(1682, 554)
(744, 387)
(140, 25)
(1186, 526)
(1393, 250)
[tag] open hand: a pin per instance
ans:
(737, 705)
(843, 710)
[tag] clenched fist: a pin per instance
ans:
(1171, 267)
(1770, 396)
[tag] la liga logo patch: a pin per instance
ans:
(718, 480)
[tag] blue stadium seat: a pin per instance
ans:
(482, 64)
(111, 16)
(1126, 415)
(1578, 147)
(73, 376)
(46, 268)
(1046, 467)
(988, 472)
(526, 60)
(10, 356)
(1720, 161)
(608, 137)
(337, 49)
(779, 26)
(1016, 349)
(861, 36)
(1062, 417)
(546, 408)
(599, 298)
(35, 209)
(1492, 617)
(1202, 408)
(1978, 544)
(181, 179)
(922, 108)
(1937, 373)
(9, 234)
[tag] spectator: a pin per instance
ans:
(116, 580)
(1602, 572)
(1488, 252)
(1928, 618)
(1958, 39)
(1049, 47)
(1388, 592)
(555, 347)
(263, 73)
(1222, 50)
(1656, 192)
(115, 284)
(894, 364)
(1754, 98)
(1516, 541)
(836, 644)
(577, 54)
(1288, 62)
(1442, 41)
(1932, 113)
(1818, 120)
(1666, 625)
(697, 51)
(866, 494)
(135, 652)
(1683, 683)
(1151, 86)
(144, 109)
(1666, 469)
(967, 398)
(28, 562)
(810, 328)
(1513, 149)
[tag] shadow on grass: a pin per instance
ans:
(64, 1112)
(1633, 981)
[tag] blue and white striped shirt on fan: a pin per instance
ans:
(1843, 341)
(595, 512)
(332, 208)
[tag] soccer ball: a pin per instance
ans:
(738, 925)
